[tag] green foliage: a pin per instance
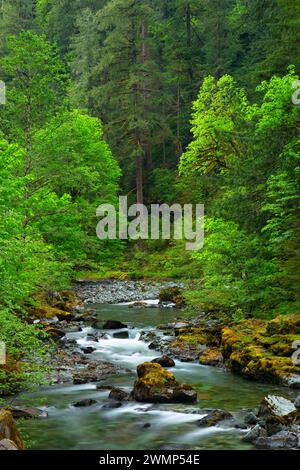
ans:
(27, 263)
(251, 254)
(25, 352)
(36, 83)
(73, 142)
(237, 269)
(217, 111)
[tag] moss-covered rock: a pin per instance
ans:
(55, 304)
(8, 429)
(157, 385)
(172, 294)
(284, 324)
(214, 417)
(211, 357)
(55, 333)
(249, 350)
(184, 350)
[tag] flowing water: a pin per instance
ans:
(137, 425)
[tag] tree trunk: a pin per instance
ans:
(139, 179)
(189, 39)
(178, 136)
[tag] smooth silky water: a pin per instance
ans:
(137, 425)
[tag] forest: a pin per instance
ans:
(170, 101)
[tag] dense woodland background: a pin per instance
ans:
(165, 101)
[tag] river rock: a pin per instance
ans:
(214, 417)
(155, 345)
(92, 337)
(100, 386)
(157, 385)
(250, 419)
(184, 351)
(241, 426)
(84, 403)
(8, 429)
(273, 425)
(94, 372)
(68, 317)
(211, 357)
(88, 349)
(55, 333)
(73, 329)
(113, 325)
(164, 361)
(170, 294)
(112, 406)
(121, 335)
(119, 395)
(114, 291)
(28, 412)
(276, 406)
(97, 325)
(255, 433)
(6, 444)
(297, 402)
(281, 440)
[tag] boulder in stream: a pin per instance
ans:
(297, 402)
(27, 412)
(214, 417)
(113, 325)
(121, 334)
(119, 395)
(84, 403)
(275, 406)
(255, 433)
(281, 440)
(94, 372)
(164, 361)
(157, 385)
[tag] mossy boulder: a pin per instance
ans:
(184, 350)
(250, 350)
(284, 324)
(8, 429)
(157, 385)
(172, 294)
(211, 357)
(214, 417)
(55, 304)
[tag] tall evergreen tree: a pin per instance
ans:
(129, 84)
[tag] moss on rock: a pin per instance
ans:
(157, 385)
(8, 429)
(211, 357)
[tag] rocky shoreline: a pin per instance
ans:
(111, 291)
